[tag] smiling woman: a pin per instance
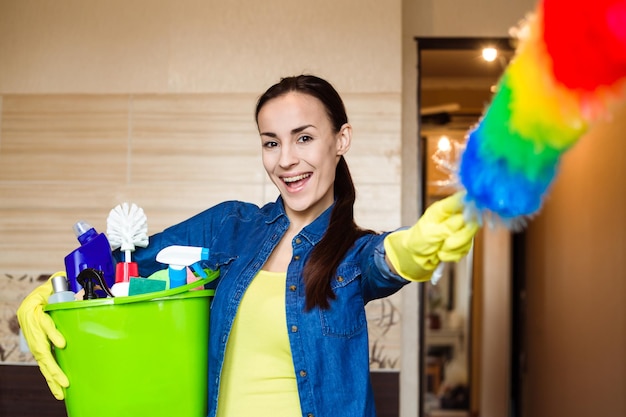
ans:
(305, 252)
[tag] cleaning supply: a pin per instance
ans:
(61, 290)
(124, 272)
(145, 285)
(178, 258)
(147, 353)
(94, 252)
(89, 279)
(544, 103)
(127, 228)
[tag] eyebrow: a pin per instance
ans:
(293, 131)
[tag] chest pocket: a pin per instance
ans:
(346, 315)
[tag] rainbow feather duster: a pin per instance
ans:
(569, 65)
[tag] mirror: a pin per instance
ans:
(455, 85)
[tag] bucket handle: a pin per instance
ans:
(212, 275)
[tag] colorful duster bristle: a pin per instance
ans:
(571, 60)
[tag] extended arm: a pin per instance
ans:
(441, 234)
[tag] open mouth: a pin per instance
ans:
(296, 181)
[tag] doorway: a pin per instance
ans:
(455, 85)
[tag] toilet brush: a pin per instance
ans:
(127, 228)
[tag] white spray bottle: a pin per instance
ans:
(178, 258)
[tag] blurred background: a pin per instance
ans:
(152, 102)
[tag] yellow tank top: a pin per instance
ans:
(258, 377)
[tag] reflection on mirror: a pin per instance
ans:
(456, 82)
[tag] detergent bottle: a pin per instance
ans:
(94, 252)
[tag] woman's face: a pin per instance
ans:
(300, 152)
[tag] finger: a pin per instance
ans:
(55, 387)
(457, 245)
(454, 224)
(56, 390)
(455, 255)
(460, 237)
(58, 393)
(52, 371)
(453, 203)
(442, 209)
(48, 326)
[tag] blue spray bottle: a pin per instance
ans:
(94, 252)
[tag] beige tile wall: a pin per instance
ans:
(69, 157)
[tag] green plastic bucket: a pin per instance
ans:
(141, 355)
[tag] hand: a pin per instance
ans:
(441, 234)
(39, 329)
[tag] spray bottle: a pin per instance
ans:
(179, 258)
(94, 252)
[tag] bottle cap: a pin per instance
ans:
(59, 283)
(84, 231)
(125, 270)
(80, 227)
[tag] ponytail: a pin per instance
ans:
(341, 234)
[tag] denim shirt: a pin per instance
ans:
(329, 347)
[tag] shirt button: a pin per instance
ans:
(292, 288)
(340, 278)
(302, 374)
(298, 240)
(297, 257)
(294, 329)
(309, 415)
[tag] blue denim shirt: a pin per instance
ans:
(329, 347)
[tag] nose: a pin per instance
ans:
(288, 156)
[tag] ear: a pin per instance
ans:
(344, 139)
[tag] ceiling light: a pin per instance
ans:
(443, 144)
(490, 54)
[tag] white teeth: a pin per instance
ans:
(296, 178)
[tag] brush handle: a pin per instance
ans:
(437, 273)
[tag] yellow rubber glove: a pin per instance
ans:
(39, 330)
(441, 234)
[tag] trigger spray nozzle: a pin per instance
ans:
(88, 278)
(178, 258)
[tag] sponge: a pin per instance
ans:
(145, 285)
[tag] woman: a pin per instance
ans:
(288, 328)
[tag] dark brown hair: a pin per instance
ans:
(342, 231)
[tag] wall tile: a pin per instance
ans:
(195, 138)
(73, 138)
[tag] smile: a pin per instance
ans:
(296, 178)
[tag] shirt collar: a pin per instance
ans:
(313, 232)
